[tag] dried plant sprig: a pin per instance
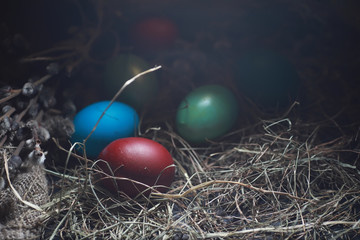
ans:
(16, 92)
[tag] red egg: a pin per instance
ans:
(154, 34)
(138, 159)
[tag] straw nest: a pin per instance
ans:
(276, 183)
(274, 179)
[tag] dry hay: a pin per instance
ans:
(277, 182)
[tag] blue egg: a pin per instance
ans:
(119, 121)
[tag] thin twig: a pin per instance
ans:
(287, 229)
(206, 184)
(127, 83)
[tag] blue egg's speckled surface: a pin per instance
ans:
(119, 121)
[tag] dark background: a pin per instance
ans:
(320, 38)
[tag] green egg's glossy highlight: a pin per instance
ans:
(207, 112)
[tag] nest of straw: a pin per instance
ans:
(276, 183)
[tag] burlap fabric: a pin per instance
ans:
(18, 220)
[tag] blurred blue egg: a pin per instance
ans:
(119, 121)
(267, 78)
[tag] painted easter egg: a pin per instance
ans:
(207, 112)
(137, 159)
(119, 121)
(122, 68)
(155, 33)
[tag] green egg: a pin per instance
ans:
(122, 68)
(207, 112)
